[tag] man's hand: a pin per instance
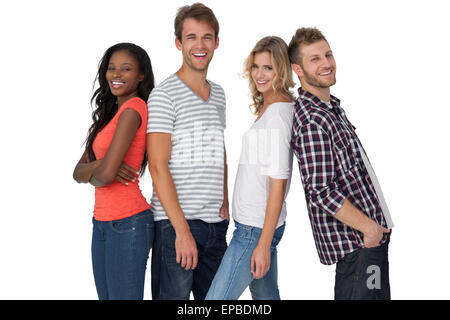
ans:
(224, 211)
(351, 216)
(186, 249)
(373, 237)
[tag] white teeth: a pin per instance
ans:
(199, 54)
(117, 83)
(326, 73)
(261, 82)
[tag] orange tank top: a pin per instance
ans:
(116, 200)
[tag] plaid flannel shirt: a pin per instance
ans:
(332, 169)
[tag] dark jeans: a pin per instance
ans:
(120, 250)
(364, 275)
(169, 280)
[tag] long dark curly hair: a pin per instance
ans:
(106, 102)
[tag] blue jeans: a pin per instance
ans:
(172, 282)
(120, 250)
(234, 274)
(364, 275)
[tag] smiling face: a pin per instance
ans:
(123, 75)
(197, 44)
(263, 72)
(318, 67)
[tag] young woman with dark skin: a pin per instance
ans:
(114, 156)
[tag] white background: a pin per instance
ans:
(392, 77)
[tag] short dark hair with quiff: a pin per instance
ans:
(303, 36)
(199, 12)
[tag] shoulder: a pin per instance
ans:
(136, 104)
(161, 96)
(284, 108)
(217, 89)
(307, 114)
(282, 112)
(215, 85)
(162, 88)
(166, 88)
(133, 110)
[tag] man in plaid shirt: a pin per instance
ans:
(348, 214)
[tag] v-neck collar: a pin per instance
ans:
(194, 93)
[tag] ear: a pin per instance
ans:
(297, 70)
(178, 43)
(217, 42)
(141, 77)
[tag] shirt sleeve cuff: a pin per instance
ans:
(277, 173)
(159, 131)
(330, 201)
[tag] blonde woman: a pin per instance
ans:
(262, 181)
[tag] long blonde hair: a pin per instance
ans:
(282, 82)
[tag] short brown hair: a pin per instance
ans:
(303, 36)
(199, 12)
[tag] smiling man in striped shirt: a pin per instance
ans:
(348, 214)
(187, 162)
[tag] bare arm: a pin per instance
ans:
(127, 126)
(351, 216)
(159, 146)
(224, 210)
(260, 263)
(84, 168)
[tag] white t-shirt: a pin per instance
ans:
(266, 152)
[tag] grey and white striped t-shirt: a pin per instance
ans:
(197, 159)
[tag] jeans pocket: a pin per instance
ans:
(242, 232)
(123, 225)
(347, 263)
(376, 256)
